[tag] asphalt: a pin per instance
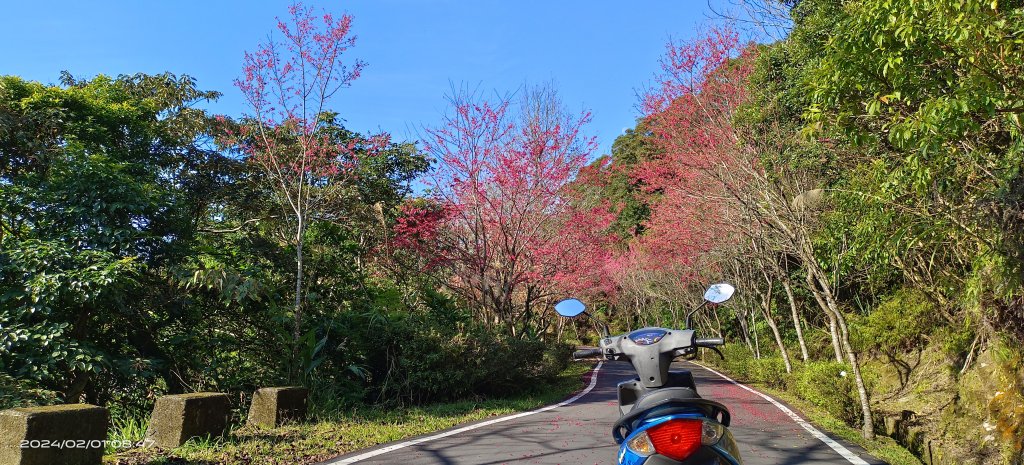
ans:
(580, 432)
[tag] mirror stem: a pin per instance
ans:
(604, 326)
(689, 316)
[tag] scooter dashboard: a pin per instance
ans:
(646, 337)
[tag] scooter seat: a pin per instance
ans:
(664, 396)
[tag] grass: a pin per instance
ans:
(342, 432)
(882, 447)
(125, 431)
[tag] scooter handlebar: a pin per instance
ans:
(587, 353)
(709, 342)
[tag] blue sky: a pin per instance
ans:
(597, 53)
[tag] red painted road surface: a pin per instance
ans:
(580, 433)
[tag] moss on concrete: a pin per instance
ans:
(272, 407)
(69, 434)
(178, 418)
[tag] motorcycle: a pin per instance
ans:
(662, 419)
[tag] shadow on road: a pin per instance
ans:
(580, 433)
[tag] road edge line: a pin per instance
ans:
(452, 432)
(839, 448)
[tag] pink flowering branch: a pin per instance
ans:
(501, 176)
(288, 83)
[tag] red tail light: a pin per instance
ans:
(676, 439)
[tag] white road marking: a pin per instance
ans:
(413, 442)
(849, 456)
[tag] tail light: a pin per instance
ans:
(676, 439)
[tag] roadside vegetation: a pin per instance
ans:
(854, 167)
(857, 176)
(150, 248)
(334, 430)
(817, 390)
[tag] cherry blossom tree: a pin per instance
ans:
(709, 178)
(502, 223)
(684, 174)
(690, 115)
(289, 82)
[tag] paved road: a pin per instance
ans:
(580, 432)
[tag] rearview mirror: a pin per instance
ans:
(570, 308)
(718, 293)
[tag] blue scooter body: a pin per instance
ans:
(645, 407)
(723, 452)
(658, 395)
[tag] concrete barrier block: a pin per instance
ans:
(915, 442)
(71, 434)
(891, 426)
(276, 405)
(935, 455)
(178, 418)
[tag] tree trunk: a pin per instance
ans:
(834, 333)
(297, 325)
(75, 388)
(868, 427)
(753, 329)
(767, 306)
(796, 320)
(744, 328)
(832, 326)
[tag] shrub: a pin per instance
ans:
(740, 364)
(556, 360)
(823, 384)
(433, 367)
(819, 345)
(15, 392)
(436, 353)
(737, 360)
(899, 324)
(421, 348)
(770, 371)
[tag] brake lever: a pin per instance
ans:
(719, 352)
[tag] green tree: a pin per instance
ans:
(99, 180)
(931, 95)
